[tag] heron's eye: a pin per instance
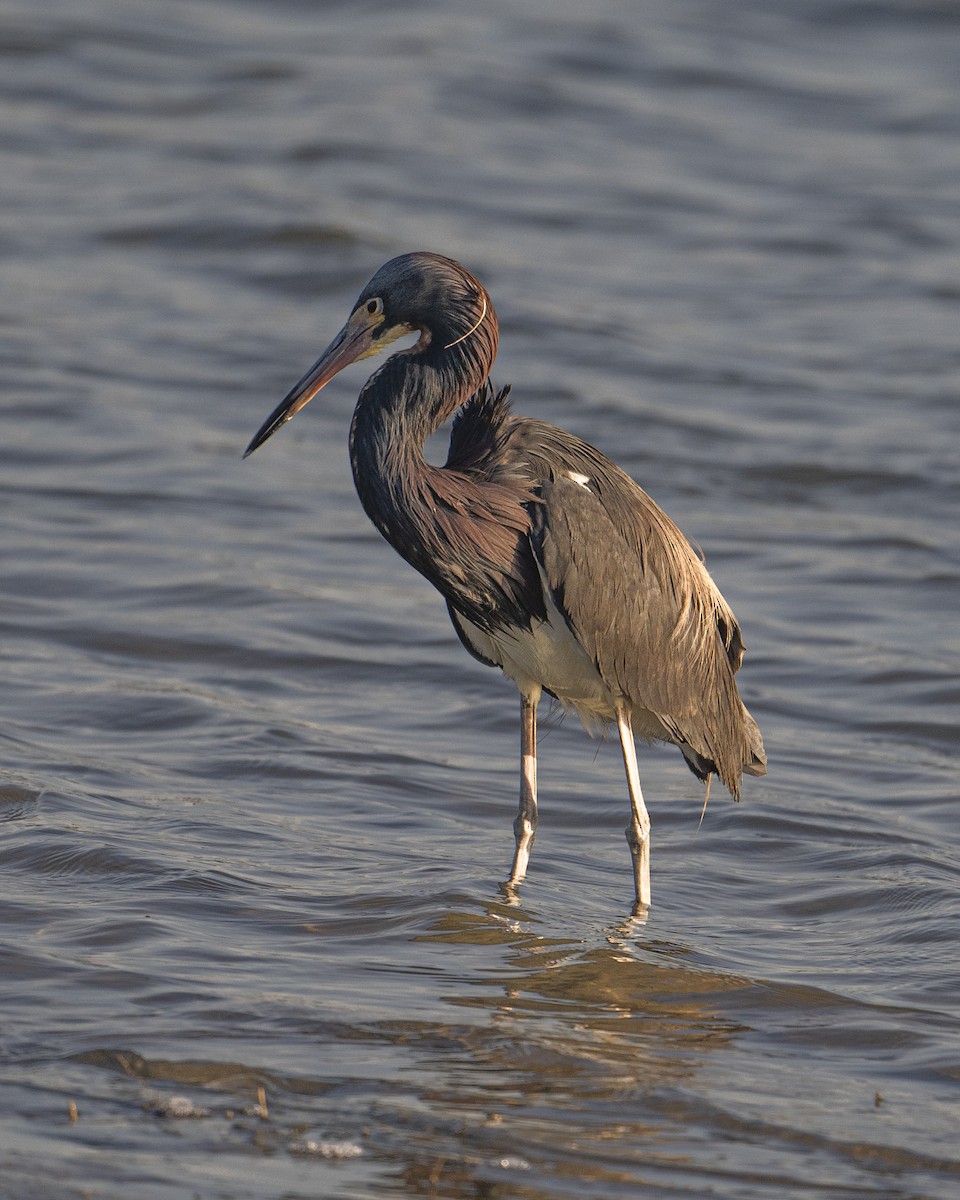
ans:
(375, 306)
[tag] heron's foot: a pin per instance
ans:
(639, 913)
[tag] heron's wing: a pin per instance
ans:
(639, 600)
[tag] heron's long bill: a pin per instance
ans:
(354, 341)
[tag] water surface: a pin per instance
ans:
(256, 801)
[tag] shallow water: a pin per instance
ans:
(255, 800)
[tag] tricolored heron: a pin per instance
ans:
(555, 566)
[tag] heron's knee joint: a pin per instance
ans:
(525, 826)
(638, 835)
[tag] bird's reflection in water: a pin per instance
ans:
(632, 999)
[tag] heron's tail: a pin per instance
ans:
(703, 765)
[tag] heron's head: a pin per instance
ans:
(415, 292)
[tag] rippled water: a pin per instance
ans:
(255, 800)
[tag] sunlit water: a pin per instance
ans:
(256, 800)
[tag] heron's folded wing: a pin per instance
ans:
(642, 605)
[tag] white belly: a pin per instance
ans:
(547, 656)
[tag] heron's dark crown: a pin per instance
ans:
(429, 292)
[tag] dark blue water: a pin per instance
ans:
(255, 801)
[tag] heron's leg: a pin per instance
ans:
(525, 826)
(638, 831)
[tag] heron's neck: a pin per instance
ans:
(406, 401)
